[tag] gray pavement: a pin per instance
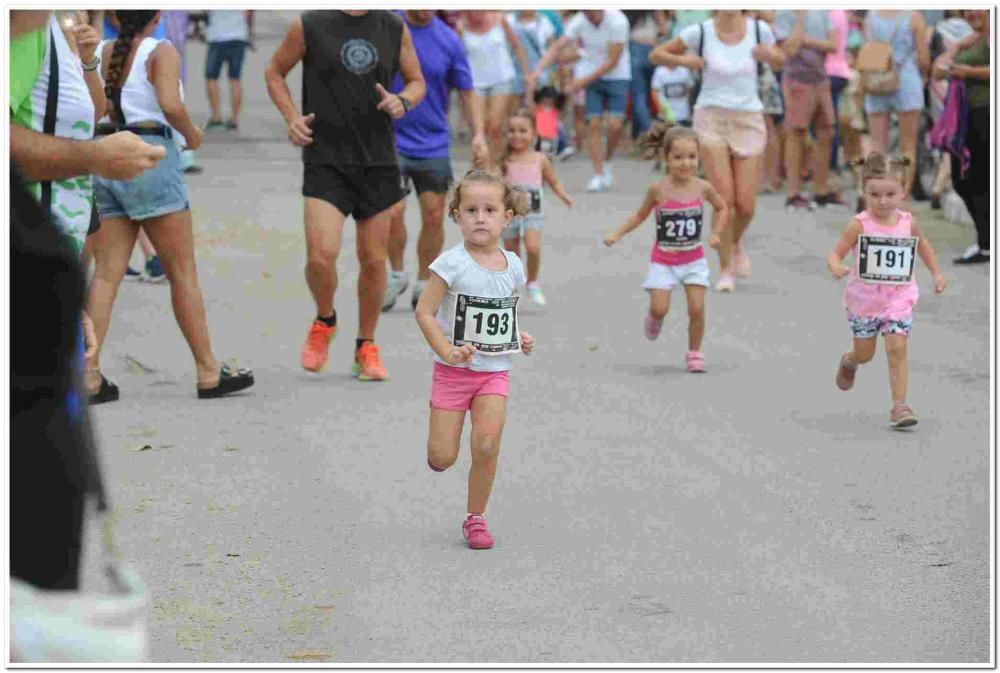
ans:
(752, 514)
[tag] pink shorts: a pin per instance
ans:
(453, 388)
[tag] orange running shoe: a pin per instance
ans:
(368, 364)
(317, 346)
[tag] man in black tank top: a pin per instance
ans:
(348, 58)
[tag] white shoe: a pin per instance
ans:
(609, 179)
(596, 184)
(395, 285)
(535, 293)
(566, 153)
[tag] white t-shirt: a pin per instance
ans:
(594, 42)
(464, 275)
(226, 25)
(674, 85)
(729, 79)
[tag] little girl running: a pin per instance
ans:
(468, 314)
(527, 169)
(678, 257)
(881, 293)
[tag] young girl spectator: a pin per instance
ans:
(678, 257)
(728, 116)
(468, 314)
(526, 169)
(142, 81)
(882, 292)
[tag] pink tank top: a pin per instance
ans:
(678, 232)
(874, 300)
(527, 174)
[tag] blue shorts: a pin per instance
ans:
(499, 89)
(159, 191)
(907, 98)
(425, 175)
(869, 328)
(606, 95)
(229, 52)
(518, 225)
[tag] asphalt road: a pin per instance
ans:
(752, 514)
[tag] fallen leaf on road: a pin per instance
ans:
(142, 447)
(308, 655)
(137, 367)
(266, 274)
(593, 348)
(231, 448)
(232, 555)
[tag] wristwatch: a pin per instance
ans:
(407, 105)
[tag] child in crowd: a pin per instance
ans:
(881, 293)
(678, 257)
(673, 89)
(468, 314)
(526, 169)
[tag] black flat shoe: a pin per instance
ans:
(108, 392)
(228, 383)
(976, 258)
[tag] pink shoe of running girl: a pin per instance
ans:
(652, 327)
(742, 263)
(476, 533)
(696, 362)
(727, 282)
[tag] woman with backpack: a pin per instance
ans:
(728, 116)
(969, 61)
(905, 33)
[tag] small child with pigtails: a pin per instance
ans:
(678, 256)
(882, 292)
(468, 315)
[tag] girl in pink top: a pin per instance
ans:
(882, 292)
(678, 257)
(528, 170)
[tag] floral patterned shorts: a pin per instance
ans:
(868, 328)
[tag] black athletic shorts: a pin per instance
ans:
(354, 190)
(426, 175)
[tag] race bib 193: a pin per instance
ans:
(887, 260)
(678, 229)
(488, 323)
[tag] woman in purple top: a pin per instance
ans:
(423, 145)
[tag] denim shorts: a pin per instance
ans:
(518, 225)
(907, 98)
(871, 327)
(606, 95)
(499, 89)
(159, 191)
(230, 52)
(425, 175)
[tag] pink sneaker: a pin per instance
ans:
(727, 282)
(696, 362)
(742, 263)
(475, 532)
(652, 327)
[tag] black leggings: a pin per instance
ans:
(974, 188)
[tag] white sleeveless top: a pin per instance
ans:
(138, 100)
(72, 198)
(729, 80)
(489, 58)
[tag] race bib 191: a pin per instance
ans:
(887, 260)
(488, 323)
(678, 229)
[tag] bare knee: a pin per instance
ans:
(321, 260)
(372, 256)
(440, 458)
(696, 312)
(864, 355)
(532, 247)
(744, 208)
(895, 348)
(485, 446)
